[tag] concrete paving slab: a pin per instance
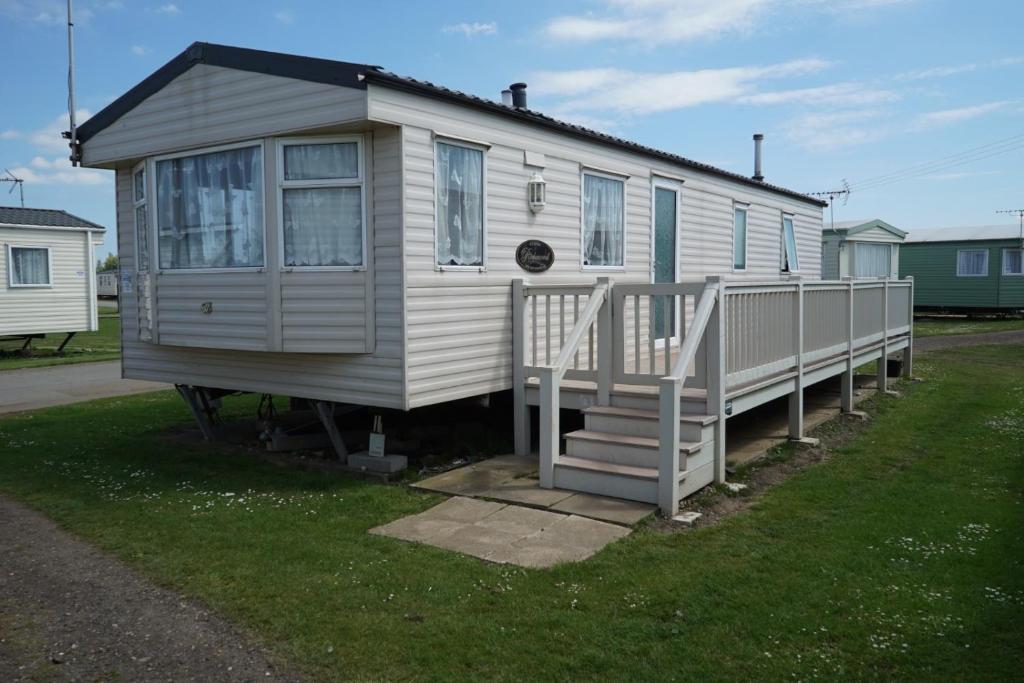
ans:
(527, 491)
(418, 528)
(538, 555)
(465, 510)
(476, 540)
(581, 532)
(478, 478)
(520, 520)
(613, 510)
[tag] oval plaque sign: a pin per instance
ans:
(534, 256)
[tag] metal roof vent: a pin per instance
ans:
(518, 95)
(758, 139)
(506, 97)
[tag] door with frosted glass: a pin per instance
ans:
(665, 257)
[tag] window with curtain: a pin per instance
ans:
(322, 204)
(141, 233)
(972, 263)
(790, 258)
(209, 209)
(872, 260)
(739, 238)
(29, 266)
(460, 205)
(604, 220)
(1013, 261)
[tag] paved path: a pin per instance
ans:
(69, 612)
(32, 388)
(925, 344)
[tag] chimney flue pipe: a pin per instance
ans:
(518, 95)
(758, 140)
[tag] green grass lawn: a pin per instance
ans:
(104, 344)
(900, 558)
(933, 327)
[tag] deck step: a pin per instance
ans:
(640, 414)
(639, 422)
(623, 449)
(608, 479)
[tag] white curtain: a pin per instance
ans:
(460, 208)
(789, 239)
(739, 238)
(315, 162)
(323, 226)
(602, 221)
(30, 266)
(142, 238)
(210, 210)
(872, 260)
(1013, 262)
(972, 262)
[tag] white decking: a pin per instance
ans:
(655, 413)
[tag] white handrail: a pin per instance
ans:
(588, 316)
(701, 316)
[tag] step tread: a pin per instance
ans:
(629, 440)
(641, 414)
(622, 389)
(603, 467)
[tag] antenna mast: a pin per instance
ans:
(832, 196)
(72, 134)
(1020, 215)
(15, 182)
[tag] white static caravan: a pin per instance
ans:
(106, 284)
(47, 276)
(335, 232)
(861, 249)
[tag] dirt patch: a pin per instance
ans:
(926, 344)
(70, 612)
(779, 464)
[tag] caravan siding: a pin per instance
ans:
(210, 105)
(459, 322)
(66, 306)
(366, 378)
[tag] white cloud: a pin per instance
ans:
(633, 92)
(659, 21)
(959, 175)
(140, 50)
(472, 29)
(284, 16)
(48, 138)
(828, 131)
(946, 117)
(11, 134)
(935, 72)
(838, 94)
(59, 171)
(169, 8)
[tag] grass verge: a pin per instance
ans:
(84, 347)
(900, 557)
(954, 325)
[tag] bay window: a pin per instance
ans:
(322, 213)
(459, 216)
(28, 266)
(604, 220)
(209, 209)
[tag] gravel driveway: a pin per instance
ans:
(70, 613)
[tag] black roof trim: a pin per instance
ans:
(351, 75)
(429, 89)
(313, 69)
(44, 218)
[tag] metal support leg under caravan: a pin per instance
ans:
(325, 411)
(197, 402)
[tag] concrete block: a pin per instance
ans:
(387, 464)
(687, 518)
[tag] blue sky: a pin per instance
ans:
(844, 89)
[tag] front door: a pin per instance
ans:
(665, 256)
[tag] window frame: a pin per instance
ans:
(282, 185)
(141, 265)
(745, 208)
(856, 247)
(796, 245)
(1007, 273)
(10, 267)
(483, 149)
(622, 178)
(986, 269)
(152, 207)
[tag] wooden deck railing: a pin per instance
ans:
(722, 336)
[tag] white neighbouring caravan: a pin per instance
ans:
(47, 272)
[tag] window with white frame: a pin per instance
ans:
(209, 209)
(1013, 261)
(790, 258)
(460, 217)
(972, 263)
(322, 213)
(739, 237)
(28, 266)
(872, 259)
(141, 222)
(603, 224)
